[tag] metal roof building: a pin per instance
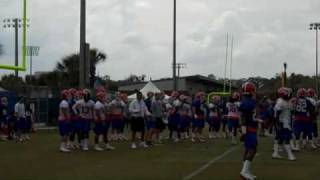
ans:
(187, 84)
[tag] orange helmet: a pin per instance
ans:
(301, 92)
(248, 88)
(101, 96)
(311, 92)
(65, 94)
(73, 92)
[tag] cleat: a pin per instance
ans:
(109, 147)
(144, 145)
(276, 156)
(133, 146)
(98, 148)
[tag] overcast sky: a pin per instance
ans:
(137, 35)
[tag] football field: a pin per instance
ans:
(39, 159)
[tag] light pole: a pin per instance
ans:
(32, 51)
(316, 26)
(15, 23)
(285, 74)
(174, 45)
(82, 44)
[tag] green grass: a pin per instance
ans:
(39, 159)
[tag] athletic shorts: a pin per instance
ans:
(150, 123)
(28, 123)
(174, 120)
(302, 127)
(250, 140)
(117, 123)
(99, 128)
(64, 128)
(232, 123)
(185, 122)
(160, 124)
(21, 124)
(285, 135)
(137, 124)
(315, 129)
(198, 123)
(106, 127)
(85, 125)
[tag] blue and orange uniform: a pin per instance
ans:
(248, 110)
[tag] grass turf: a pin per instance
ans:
(40, 159)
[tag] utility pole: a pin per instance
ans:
(82, 44)
(225, 66)
(180, 66)
(174, 45)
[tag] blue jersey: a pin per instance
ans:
(248, 110)
(303, 109)
(148, 103)
(199, 108)
(71, 102)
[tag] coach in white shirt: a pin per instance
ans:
(20, 113)
(138, 111)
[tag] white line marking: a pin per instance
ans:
(209, 163)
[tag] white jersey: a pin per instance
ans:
(233, 110)
(99, 110)
(285, 114)
(20, 110)
(85, 109)
(63, 108)
(138, 108)
(313, 101)
(117, 106)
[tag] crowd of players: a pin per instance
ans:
(15, 125)
(291, 120)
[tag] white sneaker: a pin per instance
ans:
(276, 156)
(109, 147)
(85, 145)
(63, 148)
(176, 140)
(312, 145)
(27, 137)
(133, 146)
(210, 136)
(291, 156)
(247, 176)
(97, 148)
(144, 145)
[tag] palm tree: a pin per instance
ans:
(69, 67)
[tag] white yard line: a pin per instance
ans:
(198, 171)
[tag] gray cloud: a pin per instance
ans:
(137, 34)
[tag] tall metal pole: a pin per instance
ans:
(174, 46)
(82, 44)
(285, 75)
(16, 62)
(225, 66)
(317, 83)
(231, 61)
(31, 54)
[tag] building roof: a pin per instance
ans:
(197, 77)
